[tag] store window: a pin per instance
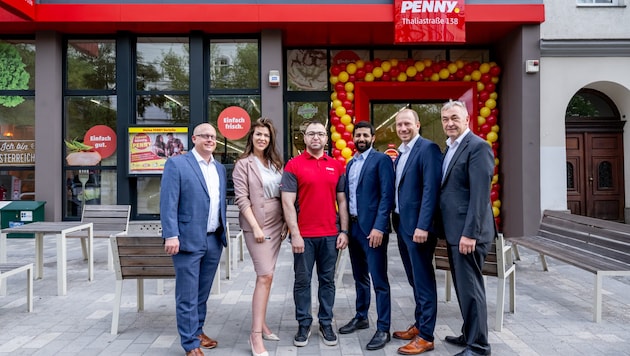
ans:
(90, 107)
(17, 120)
(234, 64)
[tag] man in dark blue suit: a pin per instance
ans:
(418, 174)
(468, 223)
(192, 212)
(370, 196)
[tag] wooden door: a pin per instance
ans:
(595, 183)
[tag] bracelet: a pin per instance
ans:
(344, 232)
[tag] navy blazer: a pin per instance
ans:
(185, 202)
(419, 187)
(465, 196)
(375, 192)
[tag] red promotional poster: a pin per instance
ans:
(429, 21)
(233, 123)
(23, 8)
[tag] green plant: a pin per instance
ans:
(13, 74)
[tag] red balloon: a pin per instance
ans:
(336, 152)
(427, 72)
(369, 67)
(451, 78)
(496, 153)
(342, 95)
(333, 112)
(335, 120)
(468, 68)
(497, 221)
(475, 65)
(341, 159)
(419, 77)
(490, 87)
(352, 78)
(486, 78)
(483, 96)
(495, 145)
(485, 128)
(339, 87)
(335, 70)
(386, 77)
(494, 195)
(394, 72)
(482, 135)
(341, 128)
(350, 112)
(494, 112)
(350, 145)
(491, 120)
(377, 62)
(496, 187)
(495, 71)
(460, 74)
(347, 136)
(347, 105)
(360, 73)
(402, 66)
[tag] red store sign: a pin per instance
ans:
(23, 8)
(429, 21)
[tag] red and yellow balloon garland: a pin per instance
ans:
(486, 76)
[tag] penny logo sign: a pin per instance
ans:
(429, 21)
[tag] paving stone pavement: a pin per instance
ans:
(553, 312)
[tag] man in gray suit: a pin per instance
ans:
(468, 223)
(192, 211)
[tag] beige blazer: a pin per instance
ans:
(248, 190)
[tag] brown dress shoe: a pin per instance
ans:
(417, 346)
(195, 352)
(206, 342)
(407, 334)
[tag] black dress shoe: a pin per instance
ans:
(353, 325)
(379, 340)
(456, 340)
(469, 352)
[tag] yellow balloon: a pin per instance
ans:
(348, 159)
(343, 76)
(495, 211)
(345, 119)
(360, 63)
(484, 111)
(350, 127)
(377, 72)
(496, 204)
(334, 79)
(336, 103)
(467, 78)
(411, 71)
(340, 144)
(419, 65)
(435, 77)
(341, 111)
(335, 136)
(495, 128)
(495, 178)
(349, 86)
(495, 80)
(481, 120)
(496, 161)
(452, 68)
(459, 63)
(350, 96)
(351, 68)
(402, 77)
(386, 66)
(475, 75)
(346, 152)
(369, 77)
(444, 73)
(484, 68)
(491, 103)
(394, 62)
(333, 96)
(492, 136)
(427, 62)
(480, 86)
(494, 95)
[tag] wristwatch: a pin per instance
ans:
(344, 231)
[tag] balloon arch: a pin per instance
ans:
(484, 75)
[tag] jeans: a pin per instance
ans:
(323, 252)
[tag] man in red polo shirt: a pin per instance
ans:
(312, 186)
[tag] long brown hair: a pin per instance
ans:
(271, 152)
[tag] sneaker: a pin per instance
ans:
(328, 335)
(301, 338)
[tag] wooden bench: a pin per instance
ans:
(499, 263)
(10, 269)
(107, 220)
(598, 246)
(139, 256)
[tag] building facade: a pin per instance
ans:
(109, 77)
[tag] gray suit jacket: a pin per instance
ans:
(465, 193)
(185, 202)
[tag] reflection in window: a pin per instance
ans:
(91, 187)
(18, 66)
(298, 114)
(307, 70)
(605, 175)
(570, 176)
(384, 120)
(148, 195)
(162, 64)
(91, 64)
(591, 103)
(234, 64)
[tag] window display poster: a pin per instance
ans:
(150, 147)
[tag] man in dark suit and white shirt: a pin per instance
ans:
(418, 173)
(192, 212)
(370, 196)
(468, 223)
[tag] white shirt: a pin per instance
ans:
(211, 176)
(271, 179)
(404, 150)
(452, 148)
(353, 180)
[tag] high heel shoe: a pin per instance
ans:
(270, 337)
(251, 345)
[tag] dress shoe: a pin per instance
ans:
(354, 325)
(195, 352)
(407, 334)
(469, 352)
(251, 345)
(270, 337)
(456, 340)
(417, 346)
(379, 340)
(206, 342)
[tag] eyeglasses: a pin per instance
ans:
(313, 134)
(207, 137)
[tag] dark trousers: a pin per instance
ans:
(323, 252)
(471, 295)
(367, 261)
(417, 260)
(194, 273)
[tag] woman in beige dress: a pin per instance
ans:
(256, 178)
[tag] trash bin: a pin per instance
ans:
(19, 213)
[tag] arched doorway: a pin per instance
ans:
(594, 144)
